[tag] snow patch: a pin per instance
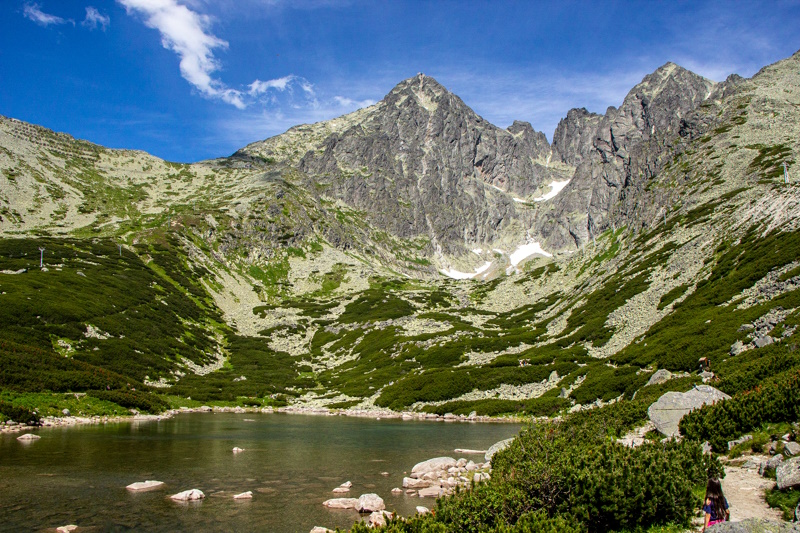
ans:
(527, 250)
(456, 274)
(555, 188)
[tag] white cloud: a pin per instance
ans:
(259, 87)
(186, 33)
(350, 103)
(34, 13)
(94, 19)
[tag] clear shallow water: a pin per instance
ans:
(78, 475)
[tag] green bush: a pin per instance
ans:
(18, 414)
(131, 399)
(777, 400)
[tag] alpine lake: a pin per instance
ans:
(291, 463)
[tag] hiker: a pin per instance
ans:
(716, 506)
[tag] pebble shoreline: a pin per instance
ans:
(67, 421)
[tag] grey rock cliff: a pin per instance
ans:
(421, 162)
(615, 161)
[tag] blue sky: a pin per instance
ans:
(193, 79)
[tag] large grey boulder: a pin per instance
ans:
(368, 503)
(791, 448)
(662, 375)
(432, 465)
(666, 412)
(754, 525)
(788, 474)
(496, 447)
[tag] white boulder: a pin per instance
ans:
(141, 486)
(188, 495)
(243, 495)
(341, 503)
(368, 503)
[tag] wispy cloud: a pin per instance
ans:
(350, 103)
(187, 33)
(35, 13)
(94, 19)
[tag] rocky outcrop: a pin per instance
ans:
(788, 474)
(660, 376)
(666, 412)
(421, 163)
(615, 161)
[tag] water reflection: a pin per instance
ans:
(291, 463)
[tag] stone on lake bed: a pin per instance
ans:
(347, 484)
(67, 529)
(188, 495)
(244, 495)
(397, 490)
(341, 503)
(320, 529)
(150, 484)
(340, 490)
(237, 449)
(30, 436)
(368, 503)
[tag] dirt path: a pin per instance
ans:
(744, 490)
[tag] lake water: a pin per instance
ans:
(78, 475)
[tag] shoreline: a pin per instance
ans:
(69, 421)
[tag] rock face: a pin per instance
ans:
(496, 447)
(188, 495)
(788, 473)
(755, 525)
(667, 411)
(616, 154)
(368, 503)
(421, 148)
(141, 486)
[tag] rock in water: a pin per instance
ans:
(188, 495)
(422, 510)
(244, 495)
(140, 486)
(788, 474)
(667, 411)
(432, 465)
(368, 503)
(237, 450)
(341, 503)
(29, 436)
(320, 529)
(67, 529)
(496, 447)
